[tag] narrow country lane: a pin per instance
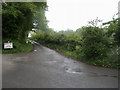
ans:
(45, 68)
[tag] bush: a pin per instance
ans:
(89, 44)
(94, 44)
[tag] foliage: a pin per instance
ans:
(94, 44)
(18, 19)
(90, 44)
(113, 30)
(17, 22)
(95, 22)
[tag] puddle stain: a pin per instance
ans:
(100, 75)
(115, 76)
(73, 71)
(35, 50)
(91, 74)
(51, 62)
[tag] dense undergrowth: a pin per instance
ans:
(90, 44)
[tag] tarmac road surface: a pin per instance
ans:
(45, 68)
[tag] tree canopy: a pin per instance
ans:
(18, 18)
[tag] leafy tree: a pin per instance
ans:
(18, 19)
(95, 22)
(113, 30)
(94, 44)
(40, 18)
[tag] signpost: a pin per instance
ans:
(8, 45)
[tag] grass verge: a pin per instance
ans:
(23, 48)
(18, 48)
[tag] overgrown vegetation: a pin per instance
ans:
(97, 45)
(17, 21)
(91, 44)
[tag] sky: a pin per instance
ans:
(73, 14)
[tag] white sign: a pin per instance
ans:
(8, 45)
